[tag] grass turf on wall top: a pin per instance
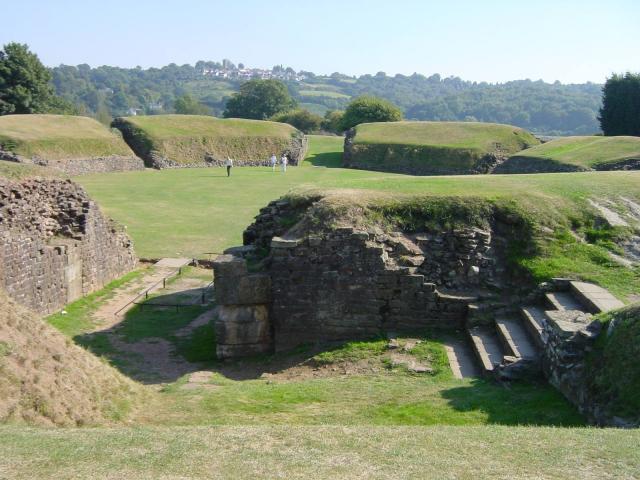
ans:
(433, 147)
(59, 137)
(580, 153)
(191, 139)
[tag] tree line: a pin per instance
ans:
(27, 86)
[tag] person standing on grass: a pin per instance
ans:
(229, 164)
(283, 162)
(274, 162)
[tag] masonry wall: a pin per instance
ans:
(81, 166)
(342, 283)
(55, 244)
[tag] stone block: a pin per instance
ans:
(242, 324)
(229, 266)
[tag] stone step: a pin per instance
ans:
(596, 299)
(533, 319)
(515, 340)
(486, 347)
(563, 301)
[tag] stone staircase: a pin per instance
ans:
(511, 347)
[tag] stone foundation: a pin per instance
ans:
(81, 166)
(343, 284)
(55, 244)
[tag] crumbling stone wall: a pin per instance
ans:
(343, 283)
(55, 244)
(81, 166)
(569, 337)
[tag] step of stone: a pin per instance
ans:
(486, 347)
(534, 319)
(563, 301)
(595, 298)
(514, 338)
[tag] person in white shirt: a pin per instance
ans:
(274, 162)
(283, 162)
(229, 164)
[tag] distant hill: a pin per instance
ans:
(433, 148)
(544, 108)
(575, 154)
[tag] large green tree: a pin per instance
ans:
(187, 105)
(620, 111)
(302, 119)
(24, 83)
(367, 109)
(260, 100)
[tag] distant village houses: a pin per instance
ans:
(251, 73)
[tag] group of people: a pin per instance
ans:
(284, 161)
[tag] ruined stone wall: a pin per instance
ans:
(345, 285)
(81, 166)
(55, 244)
(342, 283)
(569, 338)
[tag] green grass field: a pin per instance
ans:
(58, 137)
(321, 452)
(586, 152)
(479, 137)
(197, 212)
(322, 93)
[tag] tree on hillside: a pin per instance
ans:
(24, 83)
(187, 105)
(367, 109)
(302, 119)
(620, 111)
(332, 121)
(259, 99)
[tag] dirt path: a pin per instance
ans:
(153, 360)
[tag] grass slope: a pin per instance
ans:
(433, 148)
(583, 152)
(479, 137)
(46, 379)
(320, 452)
(191, 138)
(58, 137)
(194, 212)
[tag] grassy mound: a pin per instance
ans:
(195, 140)
(59, 137)
(46, 379)
(432, 148)
(575, 154)
(614, 368)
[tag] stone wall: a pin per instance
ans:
(55, 244)
(569, 338)
(341, 283)
(81, 166)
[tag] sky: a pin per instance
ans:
(482, 40)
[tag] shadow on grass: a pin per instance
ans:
(518, 403)
(328, 160)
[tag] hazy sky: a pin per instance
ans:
(570, 41)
